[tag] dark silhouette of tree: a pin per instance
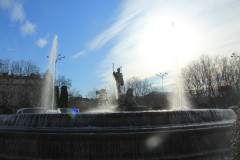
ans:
(56, 95)
(212, 82)
(75, 98)
(156, 100)
(140, 87)
(64, 97)
(63, 81)
(4, 66)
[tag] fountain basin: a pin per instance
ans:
(183, 134)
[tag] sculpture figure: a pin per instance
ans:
(102, 96)
(129, 100)
(119, 80)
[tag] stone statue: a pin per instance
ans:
(119, 80)
(129, 100)
(102, 96)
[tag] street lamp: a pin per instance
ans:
(161, 75)
(58, 58)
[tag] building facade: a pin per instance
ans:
(20, 91)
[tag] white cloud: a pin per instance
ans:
(79, 54)
(14, 8)
(27, 28)
(17, 14)
(123, 21)
(42, 42)
(162, 36)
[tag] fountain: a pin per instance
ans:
(48, 99)
(182, 134)
(166, 135)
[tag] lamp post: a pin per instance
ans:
(58, 58)
(161, 75)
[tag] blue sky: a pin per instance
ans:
(144, 37)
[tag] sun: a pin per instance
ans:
(167, 42)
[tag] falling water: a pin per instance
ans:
(48, 99)
(185, 134)
(178, 99)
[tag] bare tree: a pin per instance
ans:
(63, 81)
(75, 93)
(212, 79)
(207, 72)
(16, 68)
(140, 87)
(75, 98)
(92, 94)
(4, 66)
(19, 92)
(24, 68)
(30, 68)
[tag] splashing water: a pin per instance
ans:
(103, 109)
(178, 99)
(48, 99)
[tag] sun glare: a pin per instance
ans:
(167, 42)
